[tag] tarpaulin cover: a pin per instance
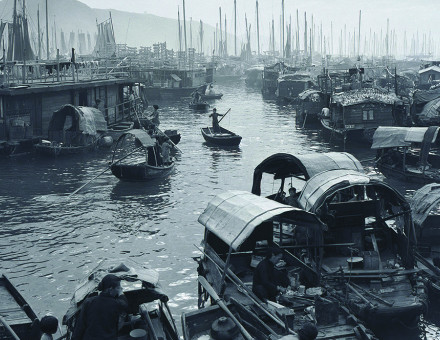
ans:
(424, 200)
(142, 136)
(431, 113)
(309, 92)
(87, 120)
(395, 136)
(355, 97)
(283, 165)
(425, 96)
(326, 182)
(234, 215)
(126, 269)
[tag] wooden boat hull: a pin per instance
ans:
(169, 93)
(18, 147)
(224, 138)
(199, 106)
(359, 135)
(173, 136)
(146, 302)
(115, 131)
(140, 172)
(56, 151)
(408, 175)
(17, 313)
(212, 96)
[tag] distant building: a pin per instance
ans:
(429, 76)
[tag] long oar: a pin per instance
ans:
(106, 169)
(249, 293)
(224, 115)
(8, 328)
(223, 306)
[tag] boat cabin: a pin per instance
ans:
(363, 110)
(309, 105)
(295, 170)
(425, 207)
(408, 153)
(368, 247)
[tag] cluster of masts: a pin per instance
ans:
(308, 38)
(305, 39)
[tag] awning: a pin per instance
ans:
(424, 200)
(86, 120)
(175, 77)
(283, 165)
(323, 183)
(233, 215)
(141, 135)
(394, 136)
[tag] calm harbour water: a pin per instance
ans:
(50, 240)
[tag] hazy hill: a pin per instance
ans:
(131, 28)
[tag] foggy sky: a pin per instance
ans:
(413, 16)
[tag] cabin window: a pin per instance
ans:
(368, 115)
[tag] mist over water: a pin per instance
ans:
(49, 241)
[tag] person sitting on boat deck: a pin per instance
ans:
(155, 116)
(99, 315)
(48, 326)
(268, 281)
(165, 151)
(292, 199)
(215, 115)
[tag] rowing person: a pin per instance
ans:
(215, 115)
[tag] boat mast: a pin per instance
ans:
(258, 31)
(47, 32)
(39, 41)
(282, 26)
(180, 33)
(201, 37)
(235, 26)
(184, 30)
(220, 43)
(305, 34)
(359, 39)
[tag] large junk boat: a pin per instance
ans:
(356, 114)
(369, 257)
(239, 228)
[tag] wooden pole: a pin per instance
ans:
(235, 27)
(47, 32)
(184, 30)
(8, 328)
(223, 306)
(258, 31)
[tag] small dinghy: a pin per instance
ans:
(142, 160)
(224, 137)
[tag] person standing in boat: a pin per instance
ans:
(99, 315)
(215, 115)
(165, 151)
(155, 116)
